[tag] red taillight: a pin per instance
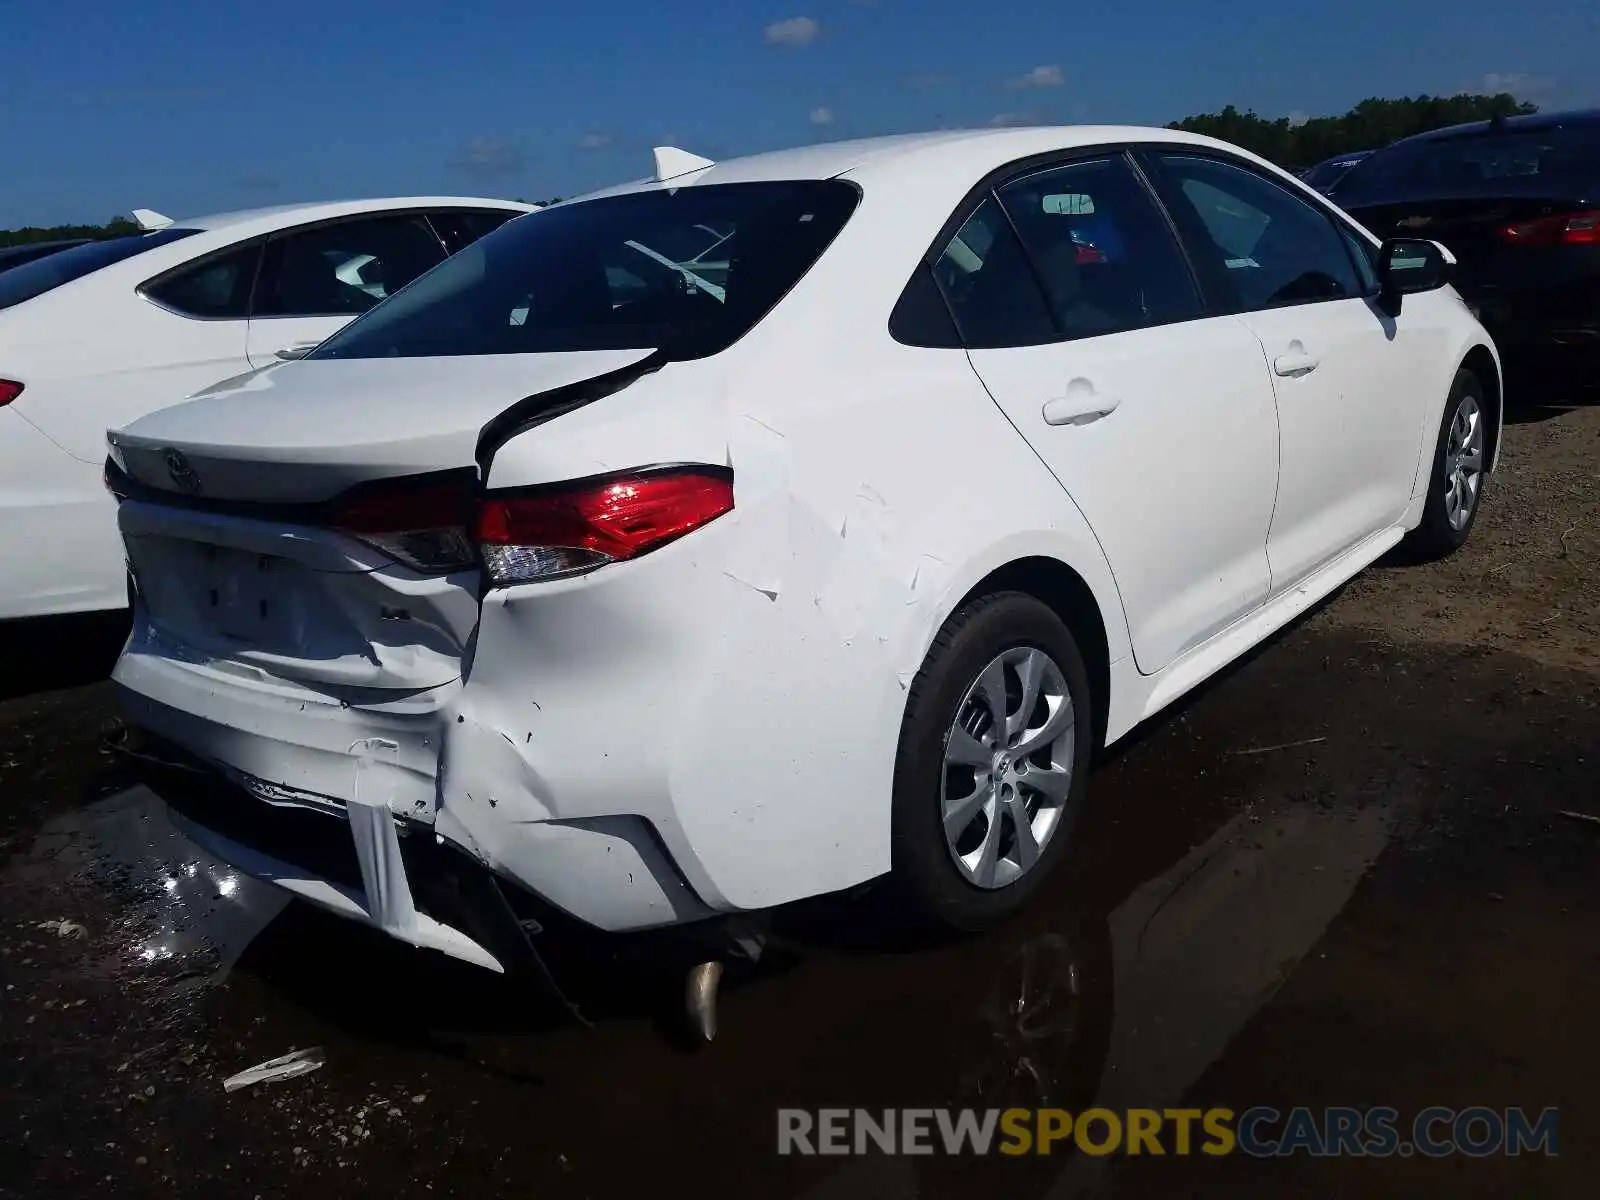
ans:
(1570, 229)
(9, 391)
(1089, 254)
(562, 531)
(423, 526)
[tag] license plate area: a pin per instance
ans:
(292, 603)
(239, 599)
(244, 594)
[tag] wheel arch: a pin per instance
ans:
(1481, 361)
(1070, 597)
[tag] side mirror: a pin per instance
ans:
(1410, 265)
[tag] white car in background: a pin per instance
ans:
(652, 598)
(95, 335)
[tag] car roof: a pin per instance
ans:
(1532, 121)
(294, 214)
(974, 151)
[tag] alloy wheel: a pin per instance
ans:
(1463, 463)
(1008, 764)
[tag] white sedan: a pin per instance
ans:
(95, 335)
(651, 601)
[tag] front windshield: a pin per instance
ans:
(45, 274)
(692, 268)
(1324, 175)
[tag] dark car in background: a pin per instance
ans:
(27, 252)
(1327, 174)
(1517, 200)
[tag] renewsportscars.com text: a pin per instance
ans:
(1261, 1132)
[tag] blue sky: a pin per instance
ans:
(191, 106)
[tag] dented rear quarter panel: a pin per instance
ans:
(743, 688)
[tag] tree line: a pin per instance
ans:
(31, 233)
(1372, 124)
(1290, 143)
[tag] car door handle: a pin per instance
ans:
(1296, 362)
(298, 350)
(1082, 405)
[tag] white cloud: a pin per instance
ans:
(1050, 76)
(821, 115)
(1517, 83)
(1298, 117)
(490, 158)
(796, 31)
(595, 141)
(1014, 118)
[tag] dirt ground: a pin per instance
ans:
(1346, 872)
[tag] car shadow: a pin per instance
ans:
(1179, 709)
(333, 968)
(1540, 394)
(46, 654)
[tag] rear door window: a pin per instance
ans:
(993, 292)
(1102, 247)
(214, 289)
(344, 268)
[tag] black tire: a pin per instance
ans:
(1435, 537)
(927, 887)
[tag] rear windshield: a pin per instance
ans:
(689, 270)
(42, 274)
(1477, 163)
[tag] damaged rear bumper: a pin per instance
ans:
(355, 757)
(364, 863)
(397, 875)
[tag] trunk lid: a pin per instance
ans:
(235, 538)
(304, 432)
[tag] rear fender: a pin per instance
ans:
(743, 688)
(663, 414)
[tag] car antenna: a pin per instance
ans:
(672, 162)
(148, 219)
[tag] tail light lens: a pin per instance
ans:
(424, 526)
(555, 532)
(9, 391)
(441, 525)
(1571, 229)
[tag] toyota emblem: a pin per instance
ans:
(183, 475)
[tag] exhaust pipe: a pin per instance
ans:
(700, 998)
